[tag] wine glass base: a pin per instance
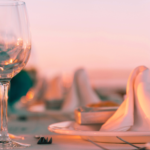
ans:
(12, 145)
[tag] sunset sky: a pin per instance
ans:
(95, 34)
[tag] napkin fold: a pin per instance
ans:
(81, 93)
(134, 112)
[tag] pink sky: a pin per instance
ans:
(95, 34)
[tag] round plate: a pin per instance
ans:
(86, 132)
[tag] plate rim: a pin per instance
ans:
(58, 128)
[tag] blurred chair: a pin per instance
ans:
(19, 86)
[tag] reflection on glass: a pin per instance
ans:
(15, 49)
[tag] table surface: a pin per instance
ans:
(37, 124)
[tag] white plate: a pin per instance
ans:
(87, 132)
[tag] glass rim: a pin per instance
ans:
(11, 2)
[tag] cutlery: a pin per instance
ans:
(139, 148)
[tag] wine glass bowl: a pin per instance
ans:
(15, 47)
(15, 40)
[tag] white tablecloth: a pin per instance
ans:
(37, 125)
(63, 142)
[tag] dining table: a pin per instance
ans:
(29, 125)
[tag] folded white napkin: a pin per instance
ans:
(55, 89)
(80, 93)
(134, 112)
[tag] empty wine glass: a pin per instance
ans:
(15, 46)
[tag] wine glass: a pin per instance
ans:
(15, 47)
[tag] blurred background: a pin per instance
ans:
(107, 38)
(82, 54)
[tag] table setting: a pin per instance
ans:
(127, 122)
(48, 115)
(102, 124)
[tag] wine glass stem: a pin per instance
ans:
(3, 106)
